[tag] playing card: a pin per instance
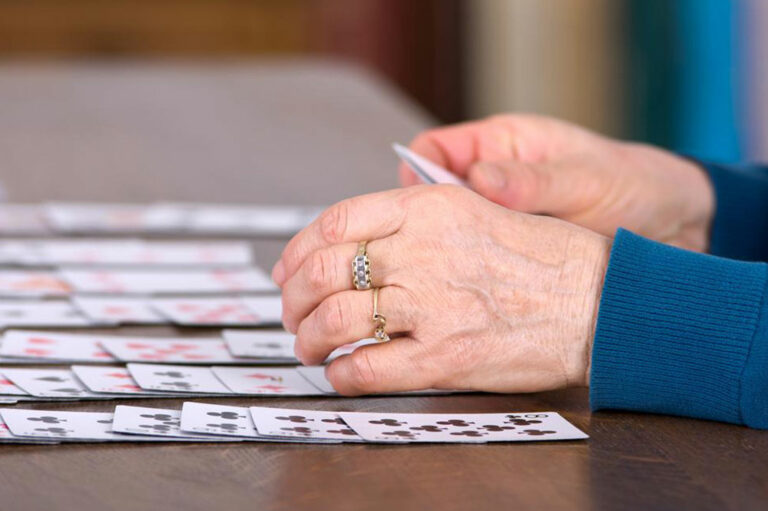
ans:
(111, 380)
(284, 422)
(266, 220)
(73, 217)
(428, 171)
(32, 283)
(269, 344)
(7, 387)
(229, 421)
(50, 383)
(173, 350)
(174, 378)
(461, 427)
(193, 253)
(217, 420)
(22, 219)
(315, 375)
(54, 346)
(268, 307)
(193, 311)
(118, 310)
(168, 281)
(69, 426)
(265, 381)
(156, 422)
(40, 313)
(6, 437)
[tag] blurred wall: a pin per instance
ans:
(554, 57)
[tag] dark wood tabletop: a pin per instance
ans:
(307, 133)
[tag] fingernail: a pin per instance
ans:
(278, 273)
(492, 176)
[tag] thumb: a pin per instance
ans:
(539, 188)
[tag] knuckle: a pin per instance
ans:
(334, 221)
(320, 270)
(333, 316)
(362, 374)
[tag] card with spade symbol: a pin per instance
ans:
(67, 426)
(156, 422)
(461, 427)
(285, 422)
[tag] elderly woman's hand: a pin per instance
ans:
(540, 165)
(476, 296)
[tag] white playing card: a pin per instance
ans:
(268, 307)
(40, 313)
(175, 378)
(267, 220)
(315, 375)
(461, 427)
(22, 219)
(265, 381)
(155, 422)
(84, 251)
(229, 421)
(172, 350)
(194, 253)
(73, 217)
(50, 383)
(66, 426)
(426, 170)
(8, 388)
(118, 310)
(283, 422)
(54, 346)
(32, 283)
(6, 437)
(269, 344)
(195, 311)
(217, 420)
(170, 281)
(111, 380)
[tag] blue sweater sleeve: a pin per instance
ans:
(681, 333)
(740, 226)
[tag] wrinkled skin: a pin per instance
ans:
(540, 165)
(479, 296)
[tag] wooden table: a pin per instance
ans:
(308, 133)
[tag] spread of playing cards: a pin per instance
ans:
(73, 274)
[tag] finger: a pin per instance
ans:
(347, 317)
(545, 188)
(363, 218)
(398, 365)
(327, 271)
(458, 146)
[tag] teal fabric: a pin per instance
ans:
(682, 333)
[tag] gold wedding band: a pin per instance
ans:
(379, 321)
(361, 268)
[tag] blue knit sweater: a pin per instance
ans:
(683, 333)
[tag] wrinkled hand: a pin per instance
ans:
(540, 165)
(476, 296)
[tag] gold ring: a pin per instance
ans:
(379, 321)
(361, 268)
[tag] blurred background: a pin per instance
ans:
(684, 74)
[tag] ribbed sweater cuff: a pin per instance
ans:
(674, 331)
(740, 226)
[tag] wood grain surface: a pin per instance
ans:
(308, 133)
